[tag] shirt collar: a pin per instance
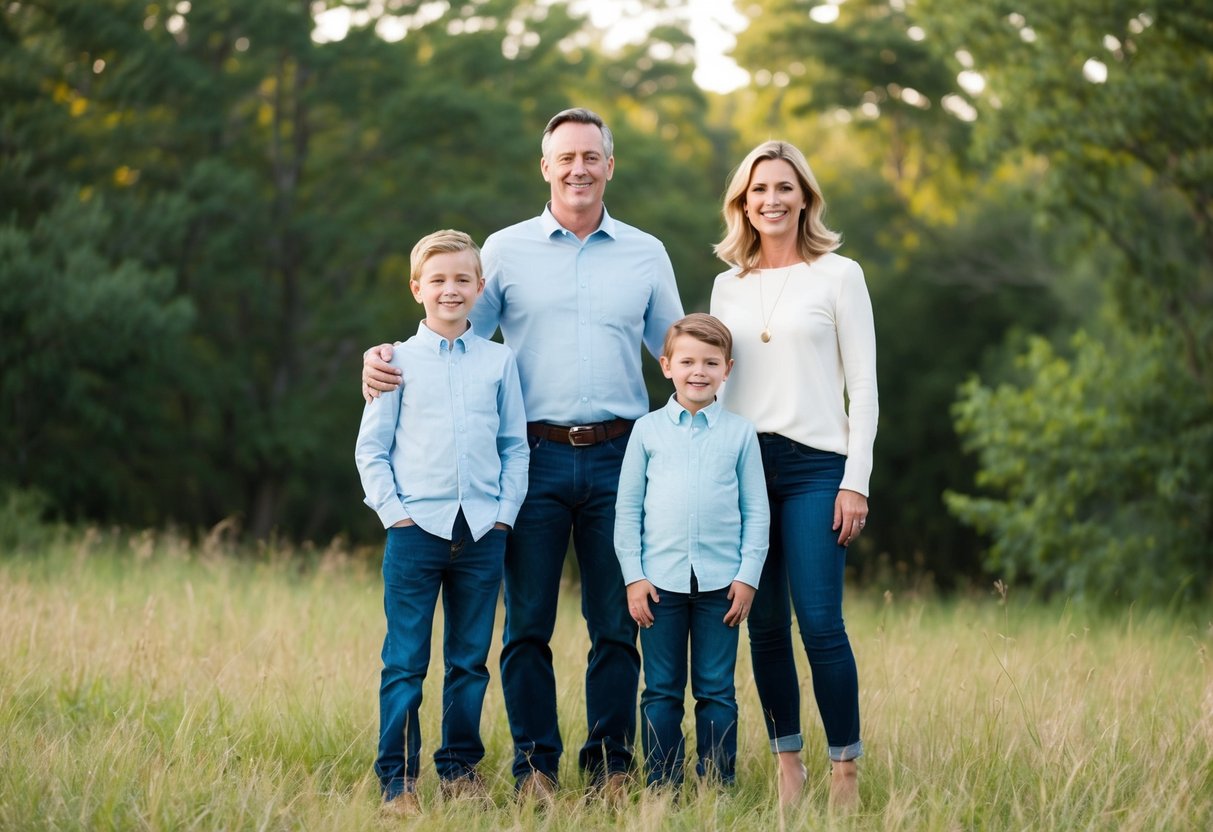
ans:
(675, 411)
(437, 342)
(551, 225)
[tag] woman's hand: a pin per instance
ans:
(850, 515)
(378, 376)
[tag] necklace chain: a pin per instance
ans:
(762, 304)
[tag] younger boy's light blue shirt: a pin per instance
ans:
(692, 495)
(452, 435)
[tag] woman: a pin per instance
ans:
(804, 343)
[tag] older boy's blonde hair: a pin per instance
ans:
(701, 327)
(441, 242)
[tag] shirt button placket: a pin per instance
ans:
(584, 339)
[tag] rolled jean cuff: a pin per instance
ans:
(843, 753)
(792, 742)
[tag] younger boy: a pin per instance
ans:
(691, 525)
(443, 461)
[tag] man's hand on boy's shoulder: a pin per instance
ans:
(378, 376)
(742, 596)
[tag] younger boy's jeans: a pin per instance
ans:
(697, 618)
(416, 564)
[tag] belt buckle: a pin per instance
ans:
(581, 436)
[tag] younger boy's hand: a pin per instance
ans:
(742, 596)
(639, 593)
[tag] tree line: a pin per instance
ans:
(206, 213)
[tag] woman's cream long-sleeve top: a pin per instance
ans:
(823, 342)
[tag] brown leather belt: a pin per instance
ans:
(580, 436)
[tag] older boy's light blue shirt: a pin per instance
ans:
(692, 495)
(575, 313)
(452, 435)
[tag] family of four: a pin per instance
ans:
(733, 502)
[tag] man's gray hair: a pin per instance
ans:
(579, 115)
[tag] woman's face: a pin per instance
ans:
(774, 198)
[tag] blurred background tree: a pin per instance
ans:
(1097, 453)
(206, 211)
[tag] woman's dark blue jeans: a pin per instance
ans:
(804, 564)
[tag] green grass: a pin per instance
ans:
(147, 685)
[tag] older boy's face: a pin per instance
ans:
(697, 370)
(448, 286)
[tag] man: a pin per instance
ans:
(575, 292)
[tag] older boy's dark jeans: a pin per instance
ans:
(570, 489)
(416, 564)
(696, 619)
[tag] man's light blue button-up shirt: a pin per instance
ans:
(692, 496)
(575, 313)
(452, 435)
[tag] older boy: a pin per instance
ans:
(443, 461)
(691, 525)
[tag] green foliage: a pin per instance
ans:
(24, 528)
(1101, 470)
(209, 214)
(944, 309)
(1099, 464)
(79, 382)
(863, 71)
(205, 215)
(1128, 153)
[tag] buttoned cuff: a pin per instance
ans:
(629, 566)
(750, 571)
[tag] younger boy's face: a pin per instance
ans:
(448, 286)
(697, 370)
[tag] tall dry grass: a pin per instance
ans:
(145, 684)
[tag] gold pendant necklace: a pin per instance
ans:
(762, 305)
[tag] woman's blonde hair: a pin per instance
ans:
(740, 246)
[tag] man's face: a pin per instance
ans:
(577, 168)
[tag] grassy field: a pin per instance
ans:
(148, 685)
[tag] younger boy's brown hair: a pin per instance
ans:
(442, 242)
(701, 327)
